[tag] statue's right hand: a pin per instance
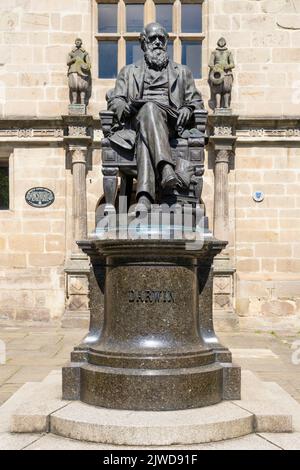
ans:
(127, 110)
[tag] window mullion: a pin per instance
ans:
(177, 50)
(121, 52)
(149, 11)
(176, 17)
(122, 17)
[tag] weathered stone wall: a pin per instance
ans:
(35, 243)
(36, 36)
(267, 235)
(264, 37)
(32, 240)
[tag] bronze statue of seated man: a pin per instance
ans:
(154, 99)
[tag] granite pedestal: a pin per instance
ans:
(155, 347)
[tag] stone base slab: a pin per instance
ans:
(219, 422)
(264, 408)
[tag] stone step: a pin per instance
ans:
(249, 442)
(119, 427)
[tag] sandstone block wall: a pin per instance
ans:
(36, 36)
(267, 235)
(32, 251)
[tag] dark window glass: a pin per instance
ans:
(164, 15)
(107, 17)
(133, 51)
(4, 187)
(191, 56)
(134, 17)
(191, 18)
(170, 49)
(108, 59)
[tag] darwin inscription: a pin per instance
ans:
(151, 296)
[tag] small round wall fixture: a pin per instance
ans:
(258, 196)
(39, 197)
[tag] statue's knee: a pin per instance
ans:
(149, 107)
(145, 111)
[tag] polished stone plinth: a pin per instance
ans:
(155, 348)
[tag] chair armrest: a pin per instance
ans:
(106, 119)
(200, 118)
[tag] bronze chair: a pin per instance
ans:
(117, 162)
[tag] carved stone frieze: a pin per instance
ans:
(76, 131)
(29, 133)
(262, 132)
(222, 130)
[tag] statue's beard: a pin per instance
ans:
(156, 58)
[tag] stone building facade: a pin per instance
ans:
(42, 276)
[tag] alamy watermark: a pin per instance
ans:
(160, 221)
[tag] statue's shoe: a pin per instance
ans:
(169, 179)
(143, 206)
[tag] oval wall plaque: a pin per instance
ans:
(39, 197)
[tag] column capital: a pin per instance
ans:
(222, 156)
(222, 124)
(222, 130)
(77, 130)
(223, 142)
(78, 153)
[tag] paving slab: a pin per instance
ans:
(7, 371)
(285, 441)
(30, 373)
(272, 406)
(254, 353)
(9, 441)
(6, 410)
(7, 390)
(33, 415)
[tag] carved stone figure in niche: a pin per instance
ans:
(79, 74)
(154, 99)
(220, 76)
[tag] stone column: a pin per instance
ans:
(77, 143)
(79, 212)
(221, 200)
(223, 139)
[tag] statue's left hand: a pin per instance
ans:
(183, 117)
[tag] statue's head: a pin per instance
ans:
(222, 43)
(154, 41)
(78, 43)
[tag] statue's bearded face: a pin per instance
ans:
(155, 47)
